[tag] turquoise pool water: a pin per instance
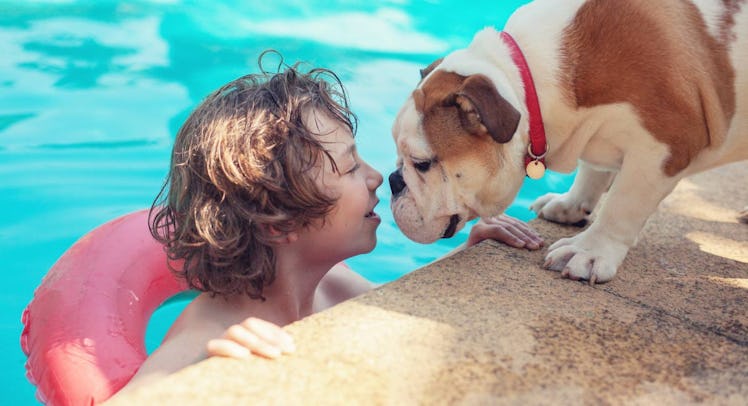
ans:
(91, 94)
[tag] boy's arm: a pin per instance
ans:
(255, 336)
(171, 356)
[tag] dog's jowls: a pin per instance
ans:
(637, 94)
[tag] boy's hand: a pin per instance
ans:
(505, 229)
(252, 336)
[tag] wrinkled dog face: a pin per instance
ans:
(456, 156)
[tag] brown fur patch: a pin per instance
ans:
(485, 111)
(443, 125)
(659, 57)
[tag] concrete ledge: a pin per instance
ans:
(489, 326)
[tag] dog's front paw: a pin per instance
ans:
(560, 208)
(588, 256)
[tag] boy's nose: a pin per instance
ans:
(375, 179)
(397, 183)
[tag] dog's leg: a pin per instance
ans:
(574, 206)
(596, 253)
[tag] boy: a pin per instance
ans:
(266, 197)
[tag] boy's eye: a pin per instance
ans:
(422, 166)
(355, 168)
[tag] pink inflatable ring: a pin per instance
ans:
(84, 329)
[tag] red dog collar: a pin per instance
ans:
(536, 150)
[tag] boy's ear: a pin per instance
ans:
(292, 237)
(280, 237)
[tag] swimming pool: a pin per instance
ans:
(91, 94)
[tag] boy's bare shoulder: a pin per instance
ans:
(339, 284)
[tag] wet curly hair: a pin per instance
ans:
(240, 166)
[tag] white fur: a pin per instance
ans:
(617, 153)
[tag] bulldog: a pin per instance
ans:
(636, 94)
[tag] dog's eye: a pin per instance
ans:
(422, 166)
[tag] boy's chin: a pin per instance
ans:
(370, 247)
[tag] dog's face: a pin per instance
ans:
(458, 156)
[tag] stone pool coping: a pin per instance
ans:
(489, 326)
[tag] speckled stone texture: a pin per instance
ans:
(488, 326)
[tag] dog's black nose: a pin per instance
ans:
(397, 184)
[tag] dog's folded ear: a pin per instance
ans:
(425, 71)
(483, 110)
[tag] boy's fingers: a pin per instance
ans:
(521, 230)
(519, 224)
(270, 333)
(521, 238)
(510, 220)
(220, 347)
(507, 230)
(524, 233)
(254, 343)
(495, 232)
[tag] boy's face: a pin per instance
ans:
(350, 228)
